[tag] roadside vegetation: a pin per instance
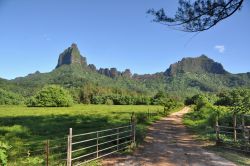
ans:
(205, 110)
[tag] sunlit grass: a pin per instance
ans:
(26, 128)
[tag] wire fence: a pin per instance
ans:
(48, 152)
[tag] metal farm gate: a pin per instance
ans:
(86, 147)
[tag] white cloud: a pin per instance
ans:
(46, 37)
(220, 48)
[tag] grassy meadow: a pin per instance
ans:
(25, 129)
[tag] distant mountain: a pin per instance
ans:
(184, 78)
(73, 72)
(194, 75)
(71, 56)
(201, 64)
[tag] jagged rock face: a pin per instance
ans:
(71, 56)
(201, 64)
(92, 67)
(127, 73)
(113, 72)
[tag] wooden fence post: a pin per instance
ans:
(217, 130)
(234, 126)
(243, 127)
(97, 144)
(47, 152)
(132, 118)
(148, 114)
(245, 138)
(134, 131)
(69, 152)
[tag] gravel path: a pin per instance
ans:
(169, 143)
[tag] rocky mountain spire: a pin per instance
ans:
(71, 56)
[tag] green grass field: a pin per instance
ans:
(26, 129)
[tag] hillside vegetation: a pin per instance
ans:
(184, 78)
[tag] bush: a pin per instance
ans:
(189, 101)
(9, 98)
(142, 100)
(109, 102)
(51, 96)
(97, 100)
(3, 153)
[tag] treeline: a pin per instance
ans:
(96, 94)
(57, 96)
(10, 98)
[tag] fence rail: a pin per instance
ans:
(56, 151)
(86, 147)
(236, 137)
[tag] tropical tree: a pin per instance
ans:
(237, 99)
(51, 96)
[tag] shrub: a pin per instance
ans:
(3, 153)
(189, 101)
(9, 98)
(51, 96)
(109, 102)
(97, 100)
(142, 100)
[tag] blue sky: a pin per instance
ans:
(112, 33)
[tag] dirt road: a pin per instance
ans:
(169, 143)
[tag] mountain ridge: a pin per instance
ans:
(199, 64)
(188, 76)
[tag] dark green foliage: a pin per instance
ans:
(96, 94)
(117, 99)
(9, 98)
(141, 117)
(189, 101)
(237, 99)
(51, 96)
(3, 153)
(142, 100)
(204, 113)
(159, 99)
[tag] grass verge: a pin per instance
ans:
(199, 123)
